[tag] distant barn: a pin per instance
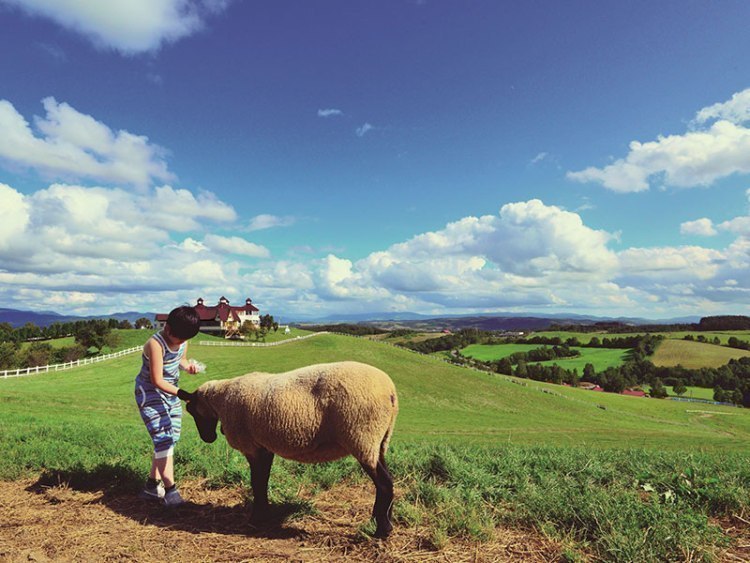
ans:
(222, 317)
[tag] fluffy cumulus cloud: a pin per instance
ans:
(717, 146)
(701, 227)
(530, 257)
(70, 145)
(235, 245)
(93, 249)
(128, 26)
(87, 247)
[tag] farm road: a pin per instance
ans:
(59, 523)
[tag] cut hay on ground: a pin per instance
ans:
(53, 522)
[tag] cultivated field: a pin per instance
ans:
(479, 460)
(690, 354)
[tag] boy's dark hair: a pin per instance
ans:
(184, 322)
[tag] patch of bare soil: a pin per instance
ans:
(737, 527)
(42, 522)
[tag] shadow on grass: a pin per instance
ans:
(120, 487)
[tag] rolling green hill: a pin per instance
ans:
(470, 451)
(439, 401)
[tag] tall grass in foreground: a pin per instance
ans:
(617, 505)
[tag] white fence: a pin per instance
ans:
(259, 344)
(67, 365)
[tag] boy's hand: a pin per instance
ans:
(184, 395)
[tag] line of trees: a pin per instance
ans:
(732, 341)
(267, 324)
(345, 328)
(717, 322)
(89, 336)
(30, 331)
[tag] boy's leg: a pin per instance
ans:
(164, 469)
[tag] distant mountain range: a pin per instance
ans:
(45, 318)
(488, 321)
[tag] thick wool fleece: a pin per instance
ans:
(313, 414)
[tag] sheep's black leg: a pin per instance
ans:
(260, 470)
(381, 511)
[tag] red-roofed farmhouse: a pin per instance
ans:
(222, 317)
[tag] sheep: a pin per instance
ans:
(312, 414)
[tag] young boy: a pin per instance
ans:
(157, 396)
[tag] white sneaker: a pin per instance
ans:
(152, 493)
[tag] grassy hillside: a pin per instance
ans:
(470, 451)
(691, 354)
(439, 401)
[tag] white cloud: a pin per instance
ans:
(539, 157)
(76, 146)
(265, 221)
(235, 245)
(685, 263)
(180, 210)
(701, 227)
(128, 26)
(105, 242)
(695, 158)
(329, 112)
(363, 129)
(738, 225)
(736, 109)
(106, 249)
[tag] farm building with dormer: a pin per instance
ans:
(222, 317)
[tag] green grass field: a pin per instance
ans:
(471, 450)
(600, 358)
(691, 354)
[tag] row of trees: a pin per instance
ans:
(259, 332)
(346, 328)
(89, 336)
(543, 354)
(717, 322)
(30, 331)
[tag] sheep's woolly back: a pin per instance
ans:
(315, 413)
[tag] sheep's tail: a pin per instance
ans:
(389, 432)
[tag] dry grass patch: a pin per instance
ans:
(58, 523)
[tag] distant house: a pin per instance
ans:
(222, 317)
(589, 386)
(634, 393)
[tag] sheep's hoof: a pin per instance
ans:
(383, 532)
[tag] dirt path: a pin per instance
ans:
(58, 523)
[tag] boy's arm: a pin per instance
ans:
(156, 363)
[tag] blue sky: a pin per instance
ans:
(344, 157)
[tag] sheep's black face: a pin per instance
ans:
(206, 424)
